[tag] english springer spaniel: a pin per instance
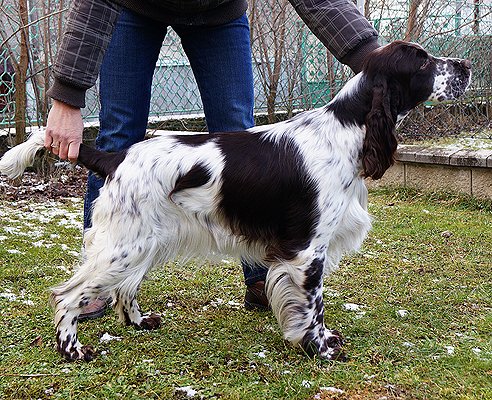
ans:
(290, 195)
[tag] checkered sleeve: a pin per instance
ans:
(87, 33)
(338, 24)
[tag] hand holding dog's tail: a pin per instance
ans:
(17, 159)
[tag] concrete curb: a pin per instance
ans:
(438, 168)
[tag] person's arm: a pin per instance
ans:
(88, 30)
(339, 25)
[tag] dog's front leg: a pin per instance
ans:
(129, 313)
(295, 292)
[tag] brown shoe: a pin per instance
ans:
(95, 309)
(255, 298)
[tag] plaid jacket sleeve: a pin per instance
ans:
(88, 30)
(338, 24)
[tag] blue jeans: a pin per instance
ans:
(220, 57)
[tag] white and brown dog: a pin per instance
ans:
(290, 195)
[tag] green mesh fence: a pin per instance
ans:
(292, 70)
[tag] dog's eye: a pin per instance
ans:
(425, 63)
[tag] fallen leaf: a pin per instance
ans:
(36, 342)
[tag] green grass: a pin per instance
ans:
(422, 328)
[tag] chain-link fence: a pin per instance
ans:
(292, 70)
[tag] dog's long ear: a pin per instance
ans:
(378, 151)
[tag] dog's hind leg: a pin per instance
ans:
(119, 268)
(295, 292)
(68, 301)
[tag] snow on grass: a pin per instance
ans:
(402, 313)
(106, 337)
(187, 390)
(357, 308)
(35, 222)
(17, 298)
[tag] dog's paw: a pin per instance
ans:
(85, 353)
(150, 322)
(334, 338)
(333, 350)
(334, 354)
(328, 345)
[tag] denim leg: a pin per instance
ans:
(220, 57)
(125, 90)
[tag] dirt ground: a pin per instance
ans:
(66, 181)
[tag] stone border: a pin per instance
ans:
(439, 168)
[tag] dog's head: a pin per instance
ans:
(401, 76)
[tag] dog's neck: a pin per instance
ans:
(352, 104)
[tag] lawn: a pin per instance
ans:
(415, 307)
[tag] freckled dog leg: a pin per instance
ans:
(129, 312)
(117, 267)
(295, 292)
(68, 301)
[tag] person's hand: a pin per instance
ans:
(64, 131)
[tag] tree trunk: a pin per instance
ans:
(20, 77)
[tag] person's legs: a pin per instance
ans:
(125, 90)
(220, 57)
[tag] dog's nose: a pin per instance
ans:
(467, 64)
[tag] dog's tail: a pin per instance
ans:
(100, 162)
(17, 159)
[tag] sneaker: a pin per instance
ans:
(95, 309)
(255, 298)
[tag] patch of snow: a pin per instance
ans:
(63, 268)
(107, 338)
(355, 307)
(261, 354)
(331, 292)
(331, 389)
(477, 351)
(188, 390)
(9, 296)
(352, 306)
(217, 302)
(14, 251)
(234, 304)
